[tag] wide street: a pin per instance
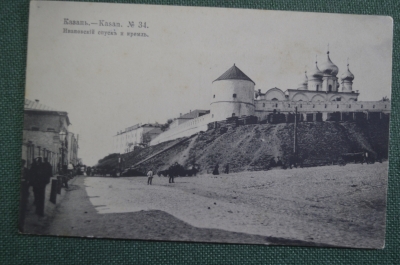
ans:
(329, 205)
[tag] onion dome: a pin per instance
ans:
(303, 85)
(328, 67)
(347, 75)
(315, 73)
(234, 73)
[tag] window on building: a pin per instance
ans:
(313, 106)
(212, 115)
(385, 106)
(325, 106)
(35, 128)
(317, 87)
(362, 106)
(234, 95)
(373, 106)
(337, 106)
(349, 106)
(330, 88)
(276, 105)
(301, 105)
(264, 105)
(233, 114)
(214, 96)
(288, 105)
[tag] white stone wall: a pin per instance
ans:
(184, 130)
(265, 107)
(305, 95)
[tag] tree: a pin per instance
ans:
(146, 139)
(165, 126)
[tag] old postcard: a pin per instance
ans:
(206, 125)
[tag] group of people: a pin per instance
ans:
(216, 169)
(150, 176)
(38, 176)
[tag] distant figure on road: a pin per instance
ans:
(149, 177)
(279, 163)
(272, 163)
(227, 168)
(171, 177)
(71, 169)
(365, 158)
(216, 171)
(89, 171)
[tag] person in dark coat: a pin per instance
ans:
(279, 163)
(42, 173)
(172, 172)
(216, 171)
(227, 168)
(24, 194)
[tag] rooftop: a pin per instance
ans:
(194, 114)
(234, 73)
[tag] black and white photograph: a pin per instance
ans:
(195, 124)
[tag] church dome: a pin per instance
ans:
(328, 67)
(315, 73)
(303, 85)
(347, 75)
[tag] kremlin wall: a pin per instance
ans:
(321, 96)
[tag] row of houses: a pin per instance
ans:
(46, 134)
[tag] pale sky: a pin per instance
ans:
(108, 83)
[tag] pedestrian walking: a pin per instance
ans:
(171, 177)
(227, 168)
(216, 171)
(149, 177)
(70, 169)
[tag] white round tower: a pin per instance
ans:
(232, 95)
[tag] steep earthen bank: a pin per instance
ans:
(251, 147)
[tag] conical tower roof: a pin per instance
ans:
(235, 74)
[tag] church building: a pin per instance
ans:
(321, 96)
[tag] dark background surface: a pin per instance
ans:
(24, 249)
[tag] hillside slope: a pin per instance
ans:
(251, 147)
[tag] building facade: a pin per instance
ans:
(137, 135)
(41, 136)
(321, 96)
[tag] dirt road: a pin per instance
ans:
(342, 206)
